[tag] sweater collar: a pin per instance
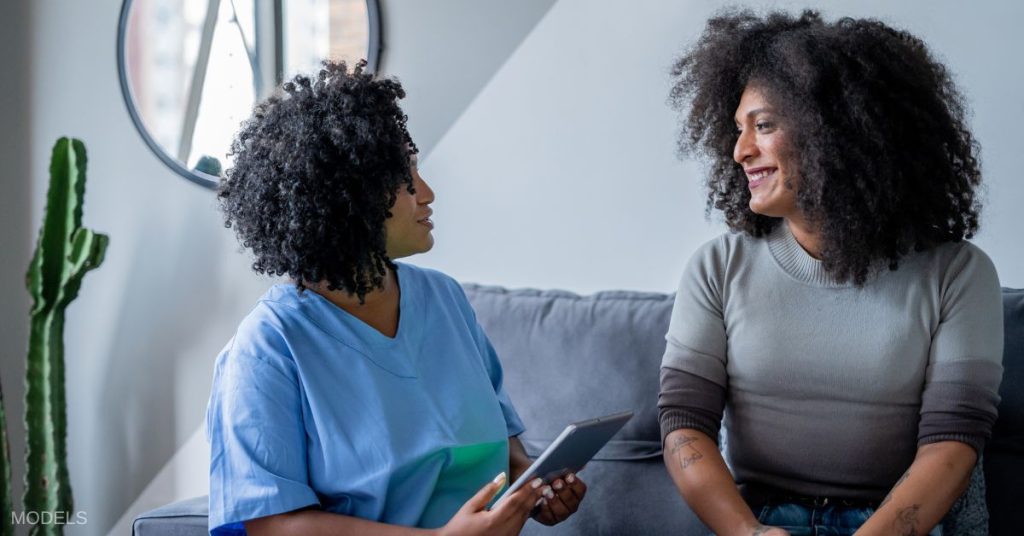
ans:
(796, 262)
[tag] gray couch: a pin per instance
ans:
(568, 358)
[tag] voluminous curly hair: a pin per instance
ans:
(886, 163)
(316, 169)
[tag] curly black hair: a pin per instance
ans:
(886, 162)
(316, 169)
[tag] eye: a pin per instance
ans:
(764, 125)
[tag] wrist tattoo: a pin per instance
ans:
(684, 451)
(896, 485)
(906, 521)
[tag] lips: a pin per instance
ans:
(426, 220)
(757, 176)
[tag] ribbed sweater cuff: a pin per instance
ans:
(975, 441)
(675, 419)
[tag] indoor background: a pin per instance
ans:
(544, 131)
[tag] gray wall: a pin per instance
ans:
(15, 234)
(545, 135)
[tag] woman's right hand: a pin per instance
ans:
(506, 519)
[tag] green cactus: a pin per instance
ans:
(7, 523)
(64, 253)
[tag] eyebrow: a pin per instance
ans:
(754, 112)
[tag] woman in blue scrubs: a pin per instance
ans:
(362, 397)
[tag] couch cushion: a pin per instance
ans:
(568, 358)
(1004, 454)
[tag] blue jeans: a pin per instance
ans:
(801, 520)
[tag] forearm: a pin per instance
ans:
(317, 522)
(700, 474)
(518, 460)
(919, 500)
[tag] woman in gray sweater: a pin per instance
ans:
(849, 334)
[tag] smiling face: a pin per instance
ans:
(407, 231)
(762, 148)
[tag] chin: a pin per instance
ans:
(764, 209)
(422, 248)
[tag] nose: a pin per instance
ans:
(746, 146)
(424, 195)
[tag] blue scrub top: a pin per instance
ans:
(312, 407)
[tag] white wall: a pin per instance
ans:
(562, 172)
(550, 147)
(141, 335)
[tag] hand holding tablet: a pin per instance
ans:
(571, 450)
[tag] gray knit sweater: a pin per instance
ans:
(828, 389)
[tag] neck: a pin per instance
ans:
(806, 235)
(349, 300)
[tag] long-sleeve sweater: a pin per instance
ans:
(828, 389)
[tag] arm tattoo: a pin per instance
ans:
(906, 521)
(898, 482)
(684, 451)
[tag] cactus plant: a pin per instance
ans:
(64, 253)
(7, 523)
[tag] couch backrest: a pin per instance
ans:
(1004, 455)
(570, 357)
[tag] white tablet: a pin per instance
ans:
(571, 450)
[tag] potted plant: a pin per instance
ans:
(64, 252)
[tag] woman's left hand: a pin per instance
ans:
(566, 495)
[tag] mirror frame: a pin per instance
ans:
(374, 47)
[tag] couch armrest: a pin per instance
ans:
(183, 518)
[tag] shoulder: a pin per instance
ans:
(957, 274)
(261, 340)
(957, 263)
(424, 275)
(714, 257)
(728, 246)
(431, 282)
(965, 256)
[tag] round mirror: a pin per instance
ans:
(191, 70)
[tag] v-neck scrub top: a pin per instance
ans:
(311, 407)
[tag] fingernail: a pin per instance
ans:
(571, 478)
(500, 479)
(548, 493)
(536, 483)
(558, 484)
(539, 502)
